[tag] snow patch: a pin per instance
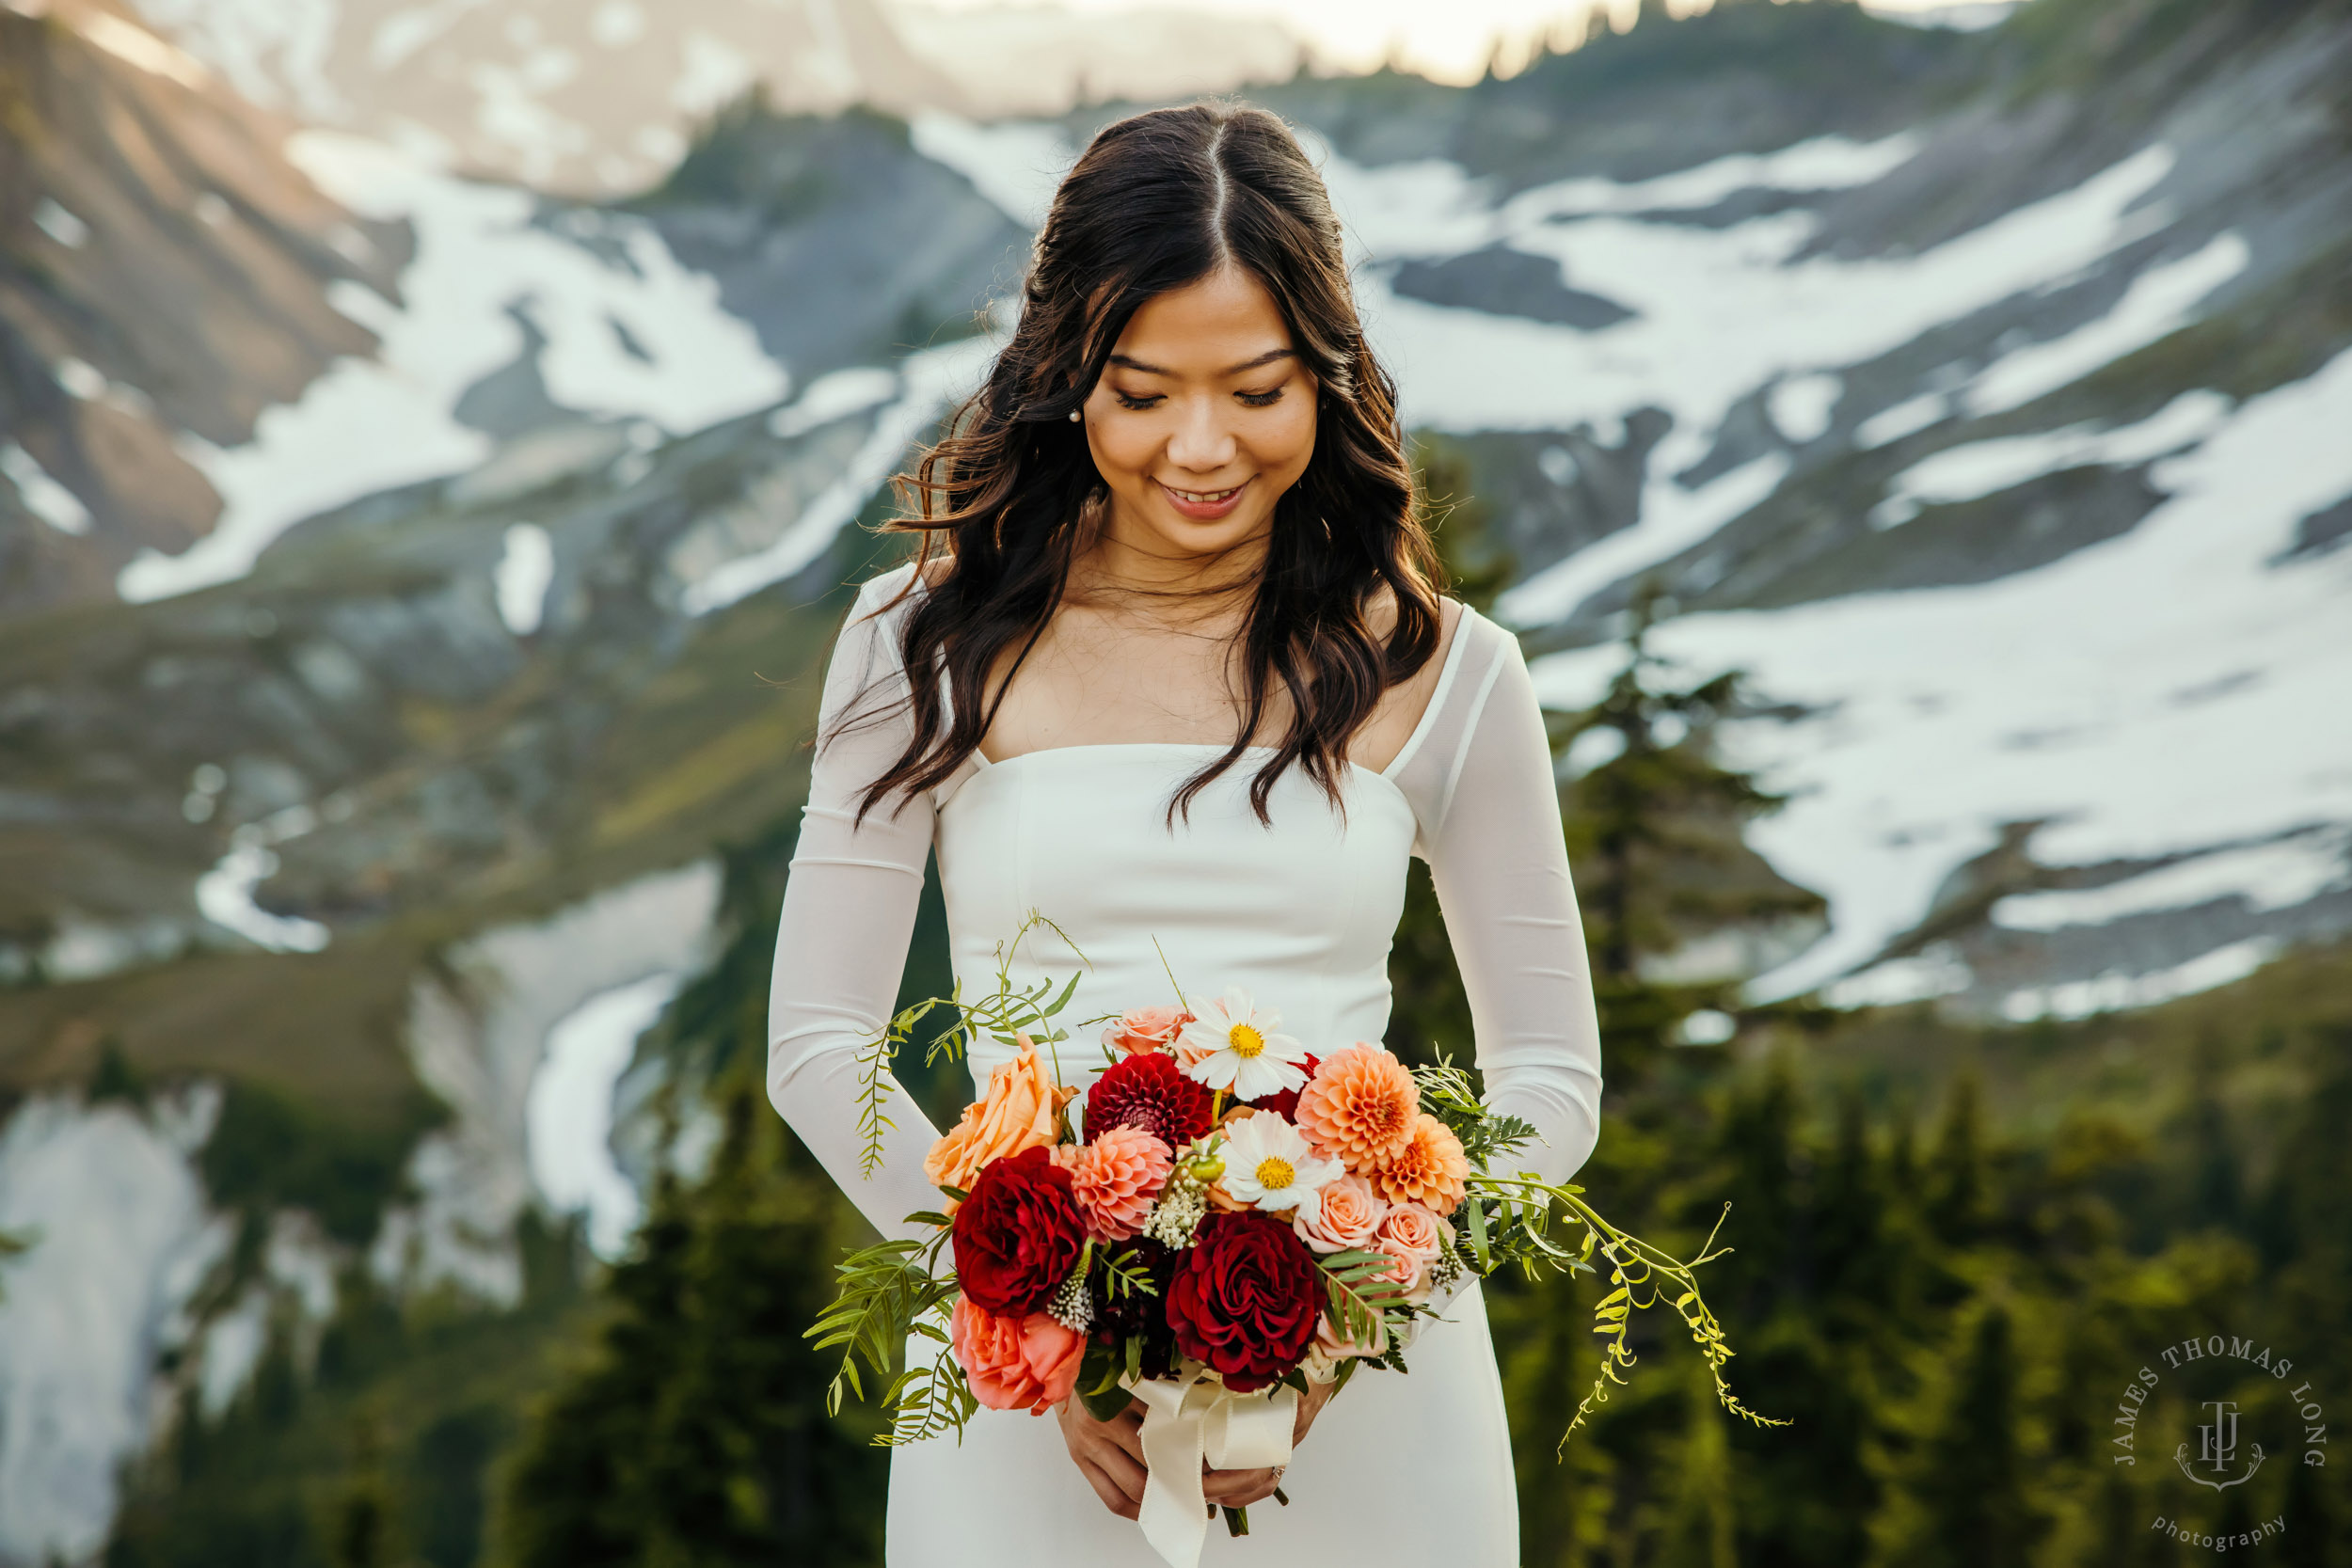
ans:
(1934, 717)
(525, 569)
(2113, 991)
(2159, 303)
(929, 382)
(1979, 469)
(55, 220)
(224, 895)
(1802, 406)
(479, 1042)
(121, 1241)
(42, 496)
(372, 424)
(1016, 165)
(2267, 877)
(569, 1112)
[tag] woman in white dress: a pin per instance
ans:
(1186, 688)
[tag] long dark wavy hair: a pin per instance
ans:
(1001, 503)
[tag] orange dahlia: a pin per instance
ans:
(1430, 1170)
(1360, 1107)
(1115, 1180)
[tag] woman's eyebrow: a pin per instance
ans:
(1268, 357)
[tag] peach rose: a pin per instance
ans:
(1015, 1363)
(1406, 1268)
(1145, 1029)
(1023, 1110)
(1348, 1217)
(1415, 1229)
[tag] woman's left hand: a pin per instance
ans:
(1240, 1488)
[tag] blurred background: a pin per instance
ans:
(436, 441)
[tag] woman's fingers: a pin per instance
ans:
(1125, 1472)
(1115, 1499)
(1127, 1430)
(1236, 1488)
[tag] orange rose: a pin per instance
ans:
(1145, 1029)
(1023, 1111)
(1015, 1363)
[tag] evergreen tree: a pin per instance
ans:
(1969, 1504)
(697, 1434)
(1955, 1175)
(360, 1535)
(1654, 838)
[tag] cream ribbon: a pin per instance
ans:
(1192, 1419)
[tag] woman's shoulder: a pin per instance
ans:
(890, 594)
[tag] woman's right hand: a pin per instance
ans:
(1108, 1453)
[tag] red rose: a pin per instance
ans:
(1246, 1299)
(1285, 1102)
(1147, 1090)
(1018, 1234)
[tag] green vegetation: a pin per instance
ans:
(376, 1447)
(271, 1151)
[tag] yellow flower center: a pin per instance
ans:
(1275, 1173)
(1247, 1042)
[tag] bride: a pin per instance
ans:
(1173, 668)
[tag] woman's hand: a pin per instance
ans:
(1240, 1488)
(1108, 1453)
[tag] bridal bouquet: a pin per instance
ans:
(1221, 1217)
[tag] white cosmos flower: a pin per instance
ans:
(1234, 1046)
(1270, 1163)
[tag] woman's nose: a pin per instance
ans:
(1202, 441)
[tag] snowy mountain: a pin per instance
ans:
(1983, 394)
(597, 97)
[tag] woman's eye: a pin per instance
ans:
(1126, 401)
(1261, 400)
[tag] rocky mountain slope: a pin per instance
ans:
(600, 98)
(1983, 394)
(166, 278)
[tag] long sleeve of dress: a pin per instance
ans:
(1500, 869)
(849, 913)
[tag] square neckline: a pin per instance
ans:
(1449, 664)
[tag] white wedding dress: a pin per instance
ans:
(1398, 1469)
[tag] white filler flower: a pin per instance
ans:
(1270, 1163)
(1234, 1047)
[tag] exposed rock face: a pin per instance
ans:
(164, 278)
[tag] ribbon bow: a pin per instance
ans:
(1192, 1419)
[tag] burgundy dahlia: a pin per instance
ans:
(1150, 1091)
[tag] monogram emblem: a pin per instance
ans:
(2217, 1447)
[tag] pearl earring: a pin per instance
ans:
(1073, 416)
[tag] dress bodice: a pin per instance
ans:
(1298, 912)
(1299, 909)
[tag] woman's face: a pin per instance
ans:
(1202, 419)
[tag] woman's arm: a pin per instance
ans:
(1500, 868)
(841, 943)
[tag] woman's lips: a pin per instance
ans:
(1204, 506)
